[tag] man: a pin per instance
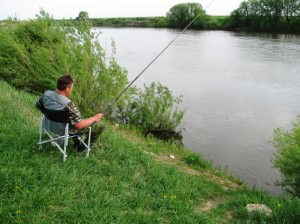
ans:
(58, 100)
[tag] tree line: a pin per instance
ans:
(251, 15)
(266, 15)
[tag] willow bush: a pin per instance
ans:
(33, 54)
(153, 108)
(287, 158)
(103, 78)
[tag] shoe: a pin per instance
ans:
(79, 145)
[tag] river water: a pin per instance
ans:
(237, 88)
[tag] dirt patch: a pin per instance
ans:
(177, 162)
(207, 206)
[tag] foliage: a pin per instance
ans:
(34, 53)
(287, 159)
(180, 15)
(153, 108)
(267, 15)
(155, 22)
(83, 15)
(98, 80)
(211, 22)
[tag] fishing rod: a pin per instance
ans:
(153, 60)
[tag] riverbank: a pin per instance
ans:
(215, 22)
(212, 23)
(126, 179)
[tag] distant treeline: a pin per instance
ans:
(155, 22)
(214, 22)
(252, 15)
(266, 16)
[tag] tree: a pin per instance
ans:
(182, 14)
(287, 159)
(291, 9)
(83, 15)
(266, 15)
(271, 13)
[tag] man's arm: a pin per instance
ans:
(76, 120)
(87, 122)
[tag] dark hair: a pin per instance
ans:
(64, 81)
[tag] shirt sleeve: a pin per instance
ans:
(74, 114)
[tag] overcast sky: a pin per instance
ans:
(25, 9)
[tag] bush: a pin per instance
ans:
(287, 159)
(33, 54)
(151, 109)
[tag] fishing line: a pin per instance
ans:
(153, 60)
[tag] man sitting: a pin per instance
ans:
(58, 101)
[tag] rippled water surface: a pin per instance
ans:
(237, 88)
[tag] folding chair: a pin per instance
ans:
(50, 121)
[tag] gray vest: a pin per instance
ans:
(54, 101)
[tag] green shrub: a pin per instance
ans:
(33, 54)
(287, 159)
(152, 109)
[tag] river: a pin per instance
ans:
(237, 88)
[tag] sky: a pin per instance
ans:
(27, 9)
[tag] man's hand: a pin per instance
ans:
(98, 117)
(87, 122)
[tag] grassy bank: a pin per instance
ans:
(126, 179)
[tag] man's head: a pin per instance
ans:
(65, 85)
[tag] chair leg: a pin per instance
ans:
(41, 131)
(66, 142)
(89, 142)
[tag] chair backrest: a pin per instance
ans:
(61, 116)
(56, 121)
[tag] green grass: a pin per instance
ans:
(125, 179)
